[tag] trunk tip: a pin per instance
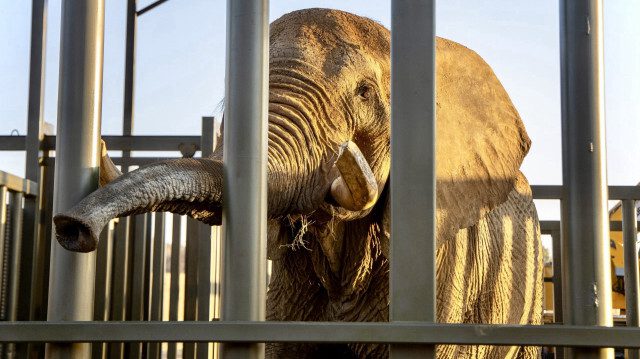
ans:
(74, 235)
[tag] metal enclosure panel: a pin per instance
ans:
(585, 223)
(71, 279)
(245, 158)
(412, 279)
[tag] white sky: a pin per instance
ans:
(180, 69)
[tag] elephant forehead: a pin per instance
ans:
(328, 39)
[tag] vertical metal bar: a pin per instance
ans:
(71, 280)
(204, 245)
(121, 285)
(33, 240)
(146, 284)
(129, 77)
(157, 281)
(585, 224)
(556, 244)
(5, 249)
(4, 264)
(191, 280)
(631, 284)
(15, 277)
(104, 269)
(42, 253)
(412, 285)
(174, 289)
(245, 182)
(138, 280)
(556, 240)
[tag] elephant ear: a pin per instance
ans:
(480, 140)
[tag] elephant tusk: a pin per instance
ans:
(356, 189)
(108, 170)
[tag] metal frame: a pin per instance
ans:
(321, 332)
(583, 229)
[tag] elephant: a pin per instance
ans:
(328, 171)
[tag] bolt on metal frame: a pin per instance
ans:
(584, 224)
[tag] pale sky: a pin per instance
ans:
(180, 69)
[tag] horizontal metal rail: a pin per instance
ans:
(17, 184)
(321, 332)
(615, 192)
(115, 143)
(548, 226)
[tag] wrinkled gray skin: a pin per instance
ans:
(329, 83)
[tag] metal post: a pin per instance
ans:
(4, 267)
(585, 223)
(5, 248)
(104, 268)
(121, 286)
(245, 180)
(412, 281)
(191, 281)
(631, 284)
(204, 245)
(174, 286)
(15, 276)
(71, 280)
(157, 280)
(138, 278)
(556, 240)
(129, 76)
(33, 241)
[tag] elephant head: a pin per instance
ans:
(329, 85)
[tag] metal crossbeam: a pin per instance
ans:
(16, 184)
(321, 332)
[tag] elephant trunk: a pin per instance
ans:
(184, 186)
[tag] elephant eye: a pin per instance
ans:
(364, 91)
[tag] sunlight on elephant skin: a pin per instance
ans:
(329, 84)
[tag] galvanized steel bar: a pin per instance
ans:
(104, 278)
(17, 184)
(556, 245)
(157, 279)
(15, 277)
(151, 6)
(245, 176)
(4, 248)
(71, 280)
(191, 284)
(204, 246)
(138, 277)
(323, 332)
(413, 199)
(585, 223)
(120, 292)
(33, 228)
(174, 286)
(631, 283)
(129, 76)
